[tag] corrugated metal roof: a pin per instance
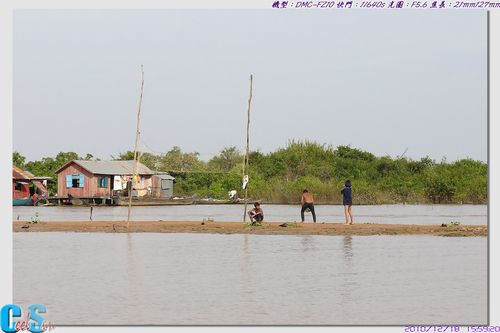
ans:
(18, 173)
(113, 167)
(165, 176)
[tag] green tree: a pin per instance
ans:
(281, 175)
(18, 159)
(353, 153)
(47, 167)
(440, 185)
(152, 161)
(176, 160)
(227, 159)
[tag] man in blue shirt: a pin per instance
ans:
(347, 202)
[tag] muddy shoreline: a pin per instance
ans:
(268, 228)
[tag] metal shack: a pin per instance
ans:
(163, 186)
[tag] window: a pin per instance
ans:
(76, 180)
(165, 184)
(102, 181)
(19, 187)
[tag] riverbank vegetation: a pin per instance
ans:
(280, 176)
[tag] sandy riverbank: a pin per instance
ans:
(268, 228)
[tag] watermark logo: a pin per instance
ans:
(12, 319)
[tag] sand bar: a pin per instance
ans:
(268, 228)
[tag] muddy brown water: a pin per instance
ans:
(171, 279)
(398, 214)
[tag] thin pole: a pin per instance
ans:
(137, 134)
(245, 167)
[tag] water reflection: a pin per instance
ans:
(348, 279)
(307, 243)
(245, 263)
(245, 244)
(147, 278)
(347, 248)
(132, 272)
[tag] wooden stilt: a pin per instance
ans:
(245, 166)
(137, 134)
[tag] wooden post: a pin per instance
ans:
(137, 134)
(245, 166)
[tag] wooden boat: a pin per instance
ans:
(22, 202)
(217, 202)
(154, 201)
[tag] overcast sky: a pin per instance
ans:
(382, 81)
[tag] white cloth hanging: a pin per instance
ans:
(117, 183)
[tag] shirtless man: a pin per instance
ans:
(307, 202)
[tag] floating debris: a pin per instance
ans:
(290, 225)
(35, 219)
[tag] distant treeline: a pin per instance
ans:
(280, 176)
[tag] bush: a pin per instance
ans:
(280, 176)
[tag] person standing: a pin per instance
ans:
(347, 202)
(34, 198)
(307, 202)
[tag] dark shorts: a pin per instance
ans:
(258, 217)
(347, 202)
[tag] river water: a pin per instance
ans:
(404, 214)
(167, 279)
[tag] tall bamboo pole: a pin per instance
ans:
(245, 173)
(137, 134)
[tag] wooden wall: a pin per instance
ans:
(23, 193)
(90, 188)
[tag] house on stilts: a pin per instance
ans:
(108, 182)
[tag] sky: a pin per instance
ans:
(380, 81)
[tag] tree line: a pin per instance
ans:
(280, 176)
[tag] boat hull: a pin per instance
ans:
(22, 202)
